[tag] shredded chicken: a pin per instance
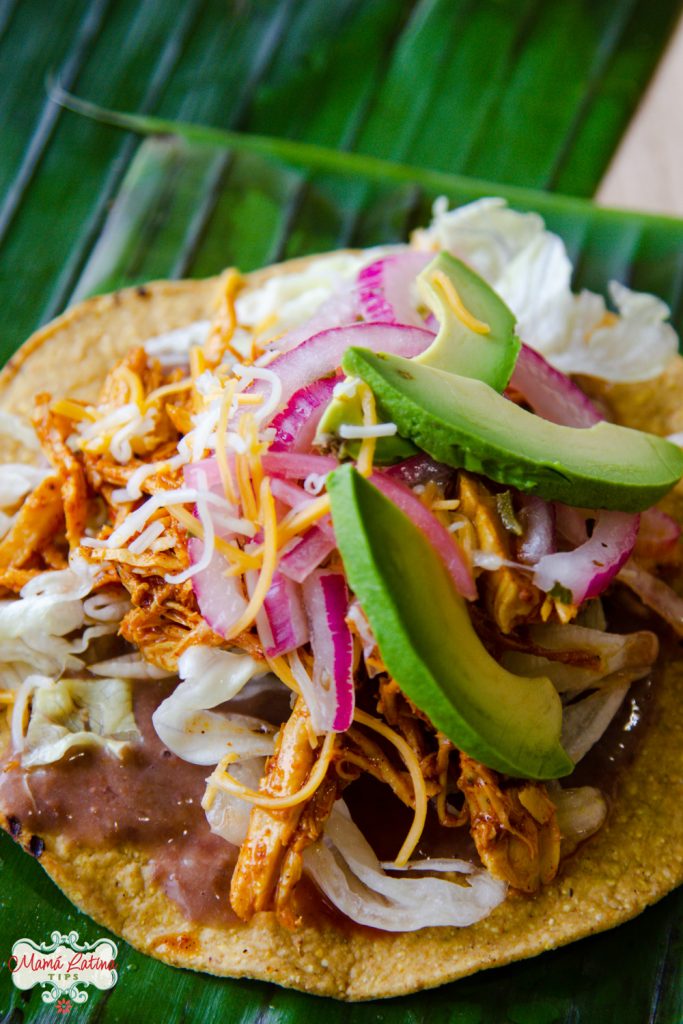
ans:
(509, 595)
(308, 831)
(53, 431)
(514, 826)
(270, 832)
(38, 521)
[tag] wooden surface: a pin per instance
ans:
(646, 172)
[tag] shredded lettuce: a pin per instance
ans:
(78, 713)
(529, 267)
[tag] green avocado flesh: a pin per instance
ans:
(428, 644)
(458, 349)
(465, 423)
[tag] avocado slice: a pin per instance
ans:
(427, 641)
(488, 353)
(345, 411)
(465, 423)
(459, 297)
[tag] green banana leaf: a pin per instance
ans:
(516, 91)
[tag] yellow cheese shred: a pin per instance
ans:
(366, 454)
(412, 764)
(234, 554)
(136, 391)
(455, 302)
(221, 450)
(225, 320)
(165, 390)
(222, 779)
(72, 410)
(295, 523)
(269, 518)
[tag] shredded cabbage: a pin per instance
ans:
(584, 722)
(350, 875)
(227, 815)
(290, 299)
(76, 713)
(183, 723)
(172, 347)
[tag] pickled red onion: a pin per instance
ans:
(384, 287)
(321, 355)
(281, 624)
(437, 534)
(331, 701)
(296, 424)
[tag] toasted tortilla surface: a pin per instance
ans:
(634, 860)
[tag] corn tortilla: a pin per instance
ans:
(634, 860)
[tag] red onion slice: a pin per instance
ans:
(206, 469)
(341, 308)
(384, 287)
(332, 700)
(281, 624)
(310, 551)
(437, 534)
(290, 494)
(321, 355)
(586, 571)
(297, 465)
(296, 425)
(550, 393)
(220, 598)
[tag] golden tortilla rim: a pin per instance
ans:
(635, 860)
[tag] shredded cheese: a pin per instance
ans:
(230, 551)
(147, 537)
(295, 522)
(367, 448)
(350, 432)
(165, 390)
(72, 410)
(221, 449)
(279, 667)
(270, 537)
(136, 391)
(222, 779)
(412, 764)
(455, 302)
